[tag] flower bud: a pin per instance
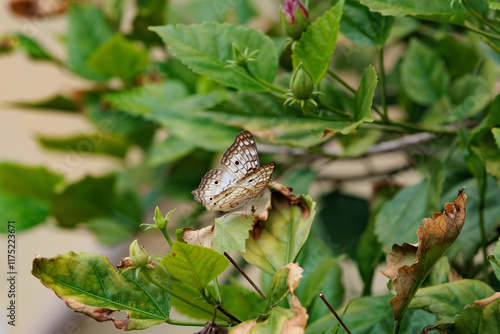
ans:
(301, 84)
(239, 57)
(294, 18)
(138, 255)
(160, 222)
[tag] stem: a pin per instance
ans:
(483, 184)
(484, 33)
(217, 291)
(191, 323)
(414, 128)
(339, 112)
(244, 274)
(382, 82)
(165, 234)
(479, 17)
(265, 83)
(229, 315)
(334, 313)
(173, 294)
(397, 324)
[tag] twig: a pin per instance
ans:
(365, 176)
(244, 274)
(334, 313)
(229, 315)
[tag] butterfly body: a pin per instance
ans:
(241, 180)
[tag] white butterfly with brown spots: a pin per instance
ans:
(241, 180)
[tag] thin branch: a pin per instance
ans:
(244, 274)
(366, 176)
(382, 82)
(333, 311)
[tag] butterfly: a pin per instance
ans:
(241, 180)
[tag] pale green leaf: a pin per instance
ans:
(195, 266)
(231, 232)
(316, 45)
(169, 150)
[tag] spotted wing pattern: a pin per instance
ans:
(241, 181)
(241, 157)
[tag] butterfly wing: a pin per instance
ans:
(213, 183)
(245, 190)
(241, 157)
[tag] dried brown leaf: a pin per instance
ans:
(202, 237)
(486, 301)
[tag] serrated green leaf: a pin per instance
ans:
(91, 280)
(96, 143)
(362, 26)
(447, 300)
(283, 235)
(424, 77)
(88, 29)
(195, 266)
(479, 319)
(400, 217)
(118, 57)
(316, 45)
(444, 11)
(231, 232)
(207, 47)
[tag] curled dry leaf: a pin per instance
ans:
(202, 237)
(38, 8)
(408, 265)
(126, 263)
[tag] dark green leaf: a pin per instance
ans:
(207, 47)
(300, 179)
(460, 58)
(149, 13)
(469, 94)
(88, 282)
(423, 75)
(32, 48)
(364, 27)
(87, 31)
(25, 211)
(479, 319)
(445, 11)
(316, 45)
(97, 143)
(169, 150)
(84, 200)
(57, 102)
(118, 57)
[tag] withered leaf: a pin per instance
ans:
(202, 237)
(409, 264)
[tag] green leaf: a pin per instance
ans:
(444, 11)
(149, 13)
(278, 288)
(244, 303)
(400, 217)
(28, 182)
(494, 4)
(55, 103)
(441, 272)
(460, 58)
(469, 95)
(109, 231)
(25, 211)
(91, 282)
(118, 57)
(424, 77)
(87, 31)
(300, 179)
(84, 200)
(169, 150)
(95, 143)
(494, 258)
(479, 319)
(468, 247)
(275, 323)
(195, 266)
(372, 315)
(207, 47)
(359, 142)
(362, 26)
(231, 232)
(282, 237)
(447, 300)
(32, 48)
(316, 45)
(363, 99)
